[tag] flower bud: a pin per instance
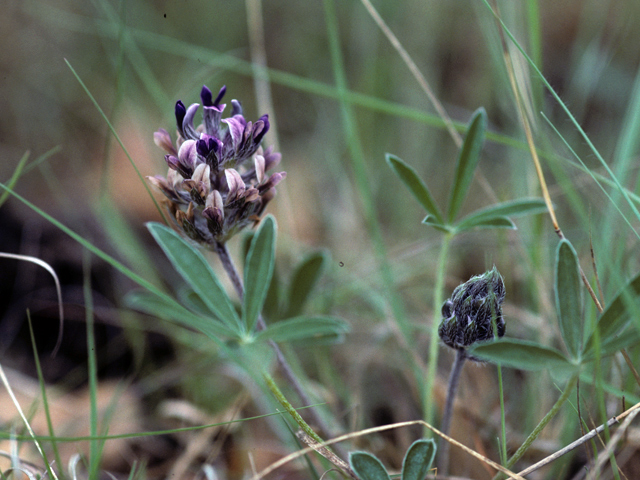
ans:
(474, 311)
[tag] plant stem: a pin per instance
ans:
(283, 364)
(454, 379)
(438, 290)
(543, 423)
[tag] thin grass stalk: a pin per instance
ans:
(503, 423)
(45, 399)
(92, 367)
(543, 423)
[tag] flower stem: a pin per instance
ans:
(454, 379)
(438, 297)
(283, 364)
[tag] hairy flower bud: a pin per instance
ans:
(474, 311)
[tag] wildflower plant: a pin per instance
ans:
(215, 187)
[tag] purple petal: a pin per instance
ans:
(261, 128)
(235, 183)
(236, 124)
(211, 116)
(162, 139)
(237, 108)
(187, 122)
(221, 93)
(180, 112)
(205, 96)
(188, 156)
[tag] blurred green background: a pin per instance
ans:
(138, 57)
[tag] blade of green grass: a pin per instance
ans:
(45, 399)
(117, 137)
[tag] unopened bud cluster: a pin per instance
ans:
(217, 182)
(474, 311)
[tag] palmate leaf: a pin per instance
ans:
(258, 270)
(483, 218)
(569, 297)
(418, 459)
(367, 466)
(317, 328)
(468, 159)
(198, 274)
(416, 186)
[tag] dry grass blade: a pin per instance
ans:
(283, 461)
(6, 384)
(48, 268)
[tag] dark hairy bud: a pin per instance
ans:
(474, 311)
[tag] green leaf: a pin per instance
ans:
(617, 315)
(197, 272)
(568, 297)
(414, 183)
(272, 308)
(526, 206)
(316, 328)
(258, 270)
(494, 222)
(520, 354)
(433, 222)
(467, 162)
(367, 466)
(302, 282)
(160, 307)
(418, 459)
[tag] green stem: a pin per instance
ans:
(438, 297)
(543, 423)
(273, 387)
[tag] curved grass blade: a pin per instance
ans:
(418, 459)
(198, 274)
(305, 328)
(367, 466)
(302, 282)
(416, 186)
(568, 297)
(258, 270)
(525, 206)
(467, 162)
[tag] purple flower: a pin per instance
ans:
(217, 182)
